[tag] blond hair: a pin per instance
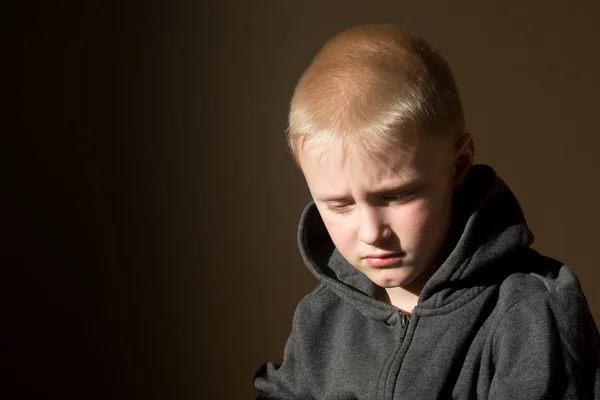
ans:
(366, 86)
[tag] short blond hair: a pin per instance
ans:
(366, 86)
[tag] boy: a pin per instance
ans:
(428, 287)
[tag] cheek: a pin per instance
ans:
(419, 226)
(341, 232)
(433, 225)
(411, 226)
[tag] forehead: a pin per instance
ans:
(327, 171)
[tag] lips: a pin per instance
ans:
(383, 260)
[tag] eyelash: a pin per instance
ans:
(338, 208)
(403, 198)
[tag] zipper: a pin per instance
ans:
(404, 322)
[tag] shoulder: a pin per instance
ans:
(544, 299)
(536, 279)
(544, 339)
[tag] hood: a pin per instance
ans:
(488, 228)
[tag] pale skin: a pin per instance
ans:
(391, 220)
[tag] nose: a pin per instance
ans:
(373, 229)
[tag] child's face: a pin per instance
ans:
(388, 222)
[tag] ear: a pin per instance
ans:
(465, 154)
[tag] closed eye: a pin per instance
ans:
(339, 207)
(401, 197)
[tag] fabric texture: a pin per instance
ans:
(496, 321)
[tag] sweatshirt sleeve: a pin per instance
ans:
(274, 381)
(547, 347)
(290, 380)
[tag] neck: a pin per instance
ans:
(398, 297)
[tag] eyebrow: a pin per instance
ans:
(390, 189)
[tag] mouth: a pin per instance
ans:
(383, 260)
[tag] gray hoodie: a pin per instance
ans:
(496, 321)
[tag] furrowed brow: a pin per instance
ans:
(399, 188)
(387, 189)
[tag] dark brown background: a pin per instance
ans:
(150, 208)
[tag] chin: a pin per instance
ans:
(391, 280)
(393, 284)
